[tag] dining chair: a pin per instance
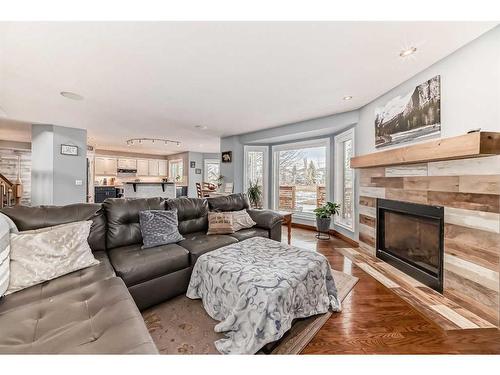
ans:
(198, 190)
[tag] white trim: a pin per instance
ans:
(321, 142)
(265, 171)
(339, 177)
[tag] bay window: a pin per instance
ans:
(344, 179)
(301, 176)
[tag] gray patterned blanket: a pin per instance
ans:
(257, 287)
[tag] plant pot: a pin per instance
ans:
(323, 224)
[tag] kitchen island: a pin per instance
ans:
(149, 189)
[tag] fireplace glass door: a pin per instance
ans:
(413, 239)
(410, 237)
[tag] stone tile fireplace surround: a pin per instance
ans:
(469, 191)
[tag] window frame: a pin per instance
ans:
(339, 140)
(176, 161)
(205, 164)
(265, 162)
(319, 142)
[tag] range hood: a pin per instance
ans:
(126, 171)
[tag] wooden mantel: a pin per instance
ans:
(460, 147)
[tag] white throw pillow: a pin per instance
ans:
(242, 220)
(45, 254)
(4, 254)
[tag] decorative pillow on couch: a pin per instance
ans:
(220, 223)
(242, 220)
(159, 227)
(228, 222)
(47, 253)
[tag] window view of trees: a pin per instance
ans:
(176, 170)
(302, 177)
(348, 192)
(255, 167)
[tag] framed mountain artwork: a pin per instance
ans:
(413, 116)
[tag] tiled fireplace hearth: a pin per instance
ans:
(467, 191)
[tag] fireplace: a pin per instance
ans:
(410, 237)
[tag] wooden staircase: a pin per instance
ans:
(10, 193)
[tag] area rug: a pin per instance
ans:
(181, 325)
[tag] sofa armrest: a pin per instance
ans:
(266, 219)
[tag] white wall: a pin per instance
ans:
(470, 92)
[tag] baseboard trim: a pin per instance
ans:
(333, 232)
(343, 237)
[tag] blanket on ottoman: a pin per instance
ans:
(257, 287)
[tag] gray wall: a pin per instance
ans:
(314, 128)
(194, 178)
(54, 176)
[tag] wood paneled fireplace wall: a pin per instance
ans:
(468, 191)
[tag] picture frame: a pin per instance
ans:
(197, 171)
(227, 157)
(69, 150)
(192, 164)
(412, 116)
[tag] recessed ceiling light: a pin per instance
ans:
(71, 95)
(348, 97)
(202, 127)
(407, 52)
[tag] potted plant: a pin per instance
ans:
(324, 216)
(219, 181)
(254, 193)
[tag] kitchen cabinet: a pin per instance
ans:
(105, 166)
(127, 164)
(162, 167)
(142, 167)
(153, 167)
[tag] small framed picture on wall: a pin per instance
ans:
(69, 150)
(192, 164)
(227, 156)
(197, 171)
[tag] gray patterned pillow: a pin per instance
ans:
(159, 227)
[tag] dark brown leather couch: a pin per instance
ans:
(96, 310)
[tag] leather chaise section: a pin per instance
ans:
(77, 279)
(135, 265)
(98, 318)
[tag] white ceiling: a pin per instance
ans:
(160, 79)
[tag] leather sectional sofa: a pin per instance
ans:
(96, 310)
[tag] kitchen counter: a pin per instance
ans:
(144, 189)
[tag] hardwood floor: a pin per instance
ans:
(374, 320)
